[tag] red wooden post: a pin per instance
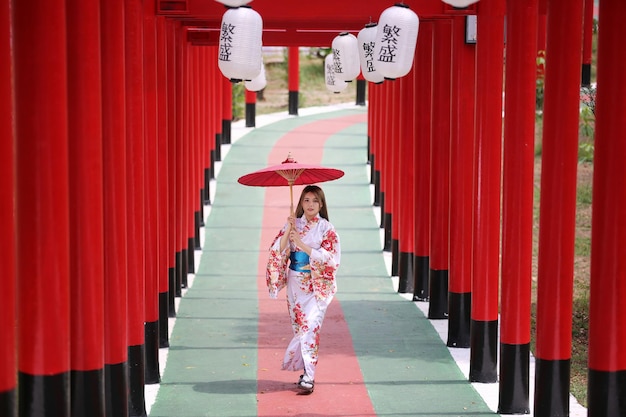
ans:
(489, 78)
(461, 186)
(250, 108)
(227, 110)
(406, 167)
(587, 43)
(115, 207)
(517, 206)
(374, 110)
(151, 195)
(163, 184)
(440, 171)
(133, 47)
(182, 155)
(393, 199)
(387, 161)
(558, 207)
(8, 356)
(216, 115)
(86, 208)
(422, 127)
(293, 62)
(607, 327)
(43, 261)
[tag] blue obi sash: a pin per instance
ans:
(299, 260)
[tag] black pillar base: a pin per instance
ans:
(152, 375)
(191, 255)
(198, 223)
(420, 278)
(293, 103)
(405, 273)
(172, 292)
(87, 394)
(136, 378)
(201, 212)
(370, 160)
(514, 376)
(606, 393)
(586, 75)
(387, 225)
(184, 268)
(250, 114)
(395, 254)
(218, 146)
(211, 170)
(483, 354)
(44, 395)
(207, 186)
(8, 403)
(226, 131)
(378, 195)
(552, 388)
(116, 389)
(164, 339)
(360, 92)
(179, 275)
(460, 319)
(438, 295)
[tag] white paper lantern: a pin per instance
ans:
(460, 3)
(233, 3)
(240, 54)
(395, 42)
(333, 83)
(346, 56)
(366, 40)
(258, 83)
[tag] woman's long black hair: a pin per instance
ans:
(319, 193)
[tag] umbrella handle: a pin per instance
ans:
(291, 195)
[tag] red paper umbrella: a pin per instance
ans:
(290, 173)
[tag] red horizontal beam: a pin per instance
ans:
(288, 23)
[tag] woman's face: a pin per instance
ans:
(311, 205)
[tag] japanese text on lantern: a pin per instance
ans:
(337, 61)
(368, 50)
(389, 41)
(226, 41)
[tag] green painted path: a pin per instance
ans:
(212, 366)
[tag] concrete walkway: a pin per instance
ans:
(379, 355)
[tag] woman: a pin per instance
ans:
(304, 257)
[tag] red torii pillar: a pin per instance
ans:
(115, 208)
(607, 325)
(151, 195)
(461, 186)
(557, 217)
(394, 172)
(517, 209)
(406, 140)
(8, 356)
(422, 128)
(227, 110)
(489, 78)
(293, 62)
(250, 97)
(386, 162)
(162, 181)
(587, 43)
(135, 165)
(440, 170)
(86, 208)
(172, 150)
(43, 258)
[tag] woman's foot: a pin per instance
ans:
(305, 385)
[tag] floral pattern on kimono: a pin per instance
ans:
(308, 293)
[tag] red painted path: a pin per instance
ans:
(338, 374)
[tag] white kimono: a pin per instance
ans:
(308, 293)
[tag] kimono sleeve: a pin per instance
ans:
(324, 265)
(277, 267)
